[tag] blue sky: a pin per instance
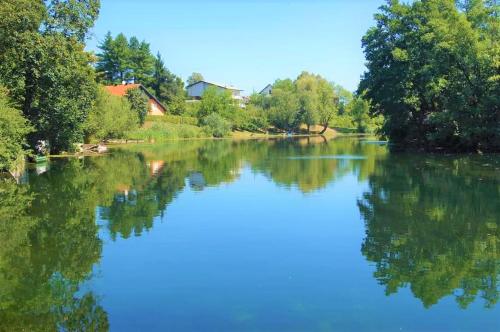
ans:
(247, 43)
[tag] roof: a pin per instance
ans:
(228, 87)
(267, 86)
(121, 90)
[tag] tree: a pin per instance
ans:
(66, 93)
(13, 130)
(168, 88)
(359, 110)
(344, 97)
(307, 93)
(433, 73)
(195, 77)
(141, 61)
(216, 101)
(45, 67)
(72, 18)
(284, 111)
(138, 103)
(114, 60)
(328, 101)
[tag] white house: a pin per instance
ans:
(196, 90)
(267, 90)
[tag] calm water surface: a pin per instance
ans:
(278, 235)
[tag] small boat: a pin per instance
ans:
(39, 159)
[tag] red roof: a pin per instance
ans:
(121, 90)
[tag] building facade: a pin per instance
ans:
(196, 90)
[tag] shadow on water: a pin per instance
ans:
(431, 222)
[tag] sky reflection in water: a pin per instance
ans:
(257, 235)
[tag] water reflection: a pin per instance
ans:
(49, 245)
(432, 224)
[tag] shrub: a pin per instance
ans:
(13, 130)
(215, 101)
(192, 108)
(139, 104)
(174, 119)
(111, 117)
(215, 125)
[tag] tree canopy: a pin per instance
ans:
(309, 99)
(433, 72)
(194, 77)
(44, 65)
(123, 59)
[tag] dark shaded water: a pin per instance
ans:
(285, 235)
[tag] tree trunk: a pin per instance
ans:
(325, 127)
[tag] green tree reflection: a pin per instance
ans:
(50, 234)
(432, 224)
(49, 245)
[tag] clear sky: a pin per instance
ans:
(247, 43)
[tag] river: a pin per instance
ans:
(265, 235)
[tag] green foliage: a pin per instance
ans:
(216, 101)
(433, 73)
(44, 65)
(72, 18)
(251, 118)
(192, 108)
(432, 227)
(195, 77)
(310, 100)
(168, 88)
(284, 111)
(344, 97)
(111, 117)
(163, 131)
(66, 93)
(215, 125)
(174, 119)
(121, 59)
(141, 60)
(13, 130)
(139, 103)
(359, 111)
(50, 243)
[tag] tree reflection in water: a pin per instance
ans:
(432, 223)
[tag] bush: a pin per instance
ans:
(215, 101)
(139, 103)
(111, 117)
(215, 125)
(192, 108)
(13, 130)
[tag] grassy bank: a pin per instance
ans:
(160, 131)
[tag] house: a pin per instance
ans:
(196, 90)
(267, 90)
(154, 105)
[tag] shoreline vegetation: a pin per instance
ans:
(432, 83)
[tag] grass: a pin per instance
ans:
(160, 131)
(174, 119)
